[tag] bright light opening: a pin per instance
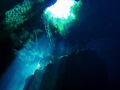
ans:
(61, 9)
(62, 15)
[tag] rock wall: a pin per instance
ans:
(79, 71)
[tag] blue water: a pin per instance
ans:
(27, 60)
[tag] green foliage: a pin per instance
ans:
(17, 15)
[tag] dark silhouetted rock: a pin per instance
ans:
(79, 71)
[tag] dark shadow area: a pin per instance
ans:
(6, 52)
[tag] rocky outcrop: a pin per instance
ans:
(82, 70)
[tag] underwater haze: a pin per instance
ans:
(36, 36)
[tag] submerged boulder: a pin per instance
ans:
(82, 70)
